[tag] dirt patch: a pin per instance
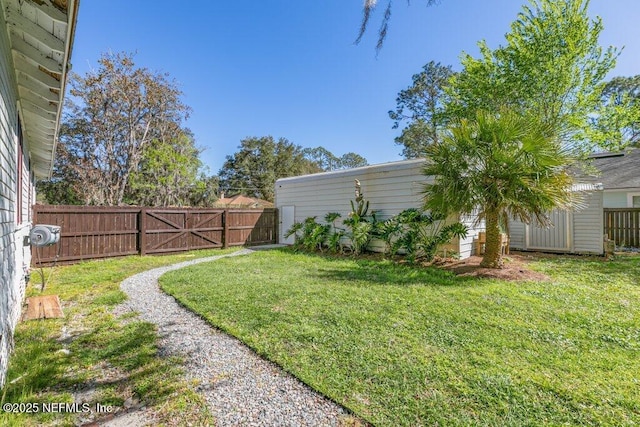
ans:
(515, 268)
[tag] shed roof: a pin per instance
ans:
(618, 170)
(41, 35)
(400, 164)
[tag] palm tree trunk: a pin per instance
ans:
(493, 246)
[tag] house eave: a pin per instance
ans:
(41, 34)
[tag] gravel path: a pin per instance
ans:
(240, 387)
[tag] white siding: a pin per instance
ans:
(390, 188)
(588, 226)
(586, 230)
(516, 235)
(466, 246)
(14, 257)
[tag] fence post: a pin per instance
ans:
(276, 225)
(225, 228)
(142, 231)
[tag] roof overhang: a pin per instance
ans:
(41, 35)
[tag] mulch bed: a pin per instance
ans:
(515, 268)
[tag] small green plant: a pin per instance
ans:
(309, 234)
(360, 224)
(296, 231)
(420, 234)
(388, 231)
(334, 240)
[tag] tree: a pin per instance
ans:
(58, 190)
(619, 119)
(113, 114)
(323, 158)
(327, 161)
(552, 68)
(351, 160)
(421, 105)
(170, 174)
(498, 166)
(369, 6)
(205, 189)
(259, 162)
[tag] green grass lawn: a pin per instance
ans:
(115, 359)
(401, 345)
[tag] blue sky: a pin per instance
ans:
(290, 68)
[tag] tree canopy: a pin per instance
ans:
(619, 118)
(327, 161)
(170, 173)
(552, 68)
(518, 118)
(122, 141)
(113, 113)
(421, 106)
(259, 162)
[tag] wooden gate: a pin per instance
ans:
(171, 230)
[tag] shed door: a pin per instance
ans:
(554, 238)
(287, 218)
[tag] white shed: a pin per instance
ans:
(389, 187)
(579, 231)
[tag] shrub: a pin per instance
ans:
(309, 234)
(421, 234)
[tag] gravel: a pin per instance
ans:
(240, 387)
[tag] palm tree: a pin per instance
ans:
(369, 6)
(497, 166)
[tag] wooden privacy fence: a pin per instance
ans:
(90, 232)
(623, 226)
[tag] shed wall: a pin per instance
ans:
(588, 226)
(390, 188)
(517, 235)
(586, 229)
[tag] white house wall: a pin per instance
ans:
(619, 198)
(390, 188)
(12, 253)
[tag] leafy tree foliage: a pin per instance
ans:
(499, 165)
(114, 113)
(259, 162)
(619, 118)
(552, 68)
(327, 161)
(421, 106)
(369, 7)
(323, 158)
(170, 173)
(58, 190)
(351, 160)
